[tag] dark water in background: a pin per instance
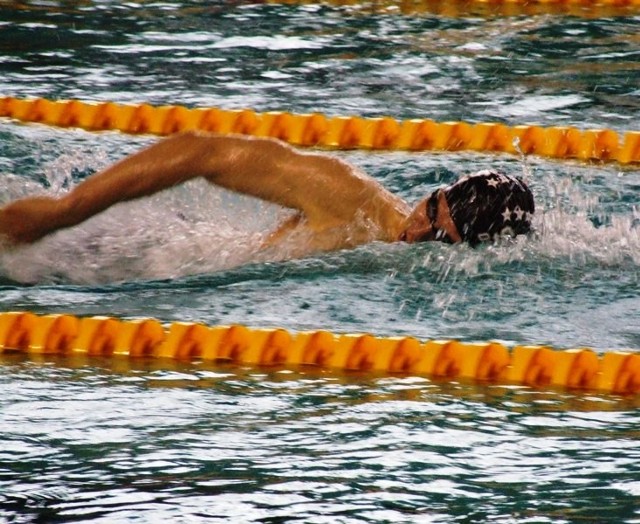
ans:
(106, 441)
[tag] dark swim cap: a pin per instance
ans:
(487, 204)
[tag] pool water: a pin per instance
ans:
(107, 440)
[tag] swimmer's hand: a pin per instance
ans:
(28, 220)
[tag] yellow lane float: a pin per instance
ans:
(536, 366)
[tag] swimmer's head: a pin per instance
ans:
(477, 208)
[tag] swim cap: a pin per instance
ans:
(487, 204)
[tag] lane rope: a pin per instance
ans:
(458, 8)
(489, 362)
(338, 132)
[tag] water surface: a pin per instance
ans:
(104, 440)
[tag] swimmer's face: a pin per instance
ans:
(431, 220)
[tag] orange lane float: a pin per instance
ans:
(486, 8)
(338, 132)
(488, 362)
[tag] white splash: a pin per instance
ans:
(195, 228)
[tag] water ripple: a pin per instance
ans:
(253, 446)
(91, 440)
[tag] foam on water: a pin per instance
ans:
(195, 228)
(133, 241)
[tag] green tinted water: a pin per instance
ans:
(102, 441)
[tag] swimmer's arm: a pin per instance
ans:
(322, 187)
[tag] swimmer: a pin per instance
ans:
(335, 205)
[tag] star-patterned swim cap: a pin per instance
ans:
(487, 205)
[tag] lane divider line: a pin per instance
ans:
(339, 132)
(578, 369)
